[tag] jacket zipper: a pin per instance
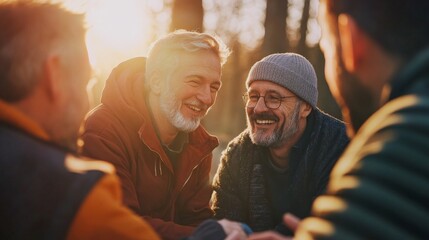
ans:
(160, 167)
(157, 162)
(190, 175)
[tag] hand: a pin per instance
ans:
(268, 235)
(233, 230)
(290, 220)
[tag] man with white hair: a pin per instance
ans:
(148, 127)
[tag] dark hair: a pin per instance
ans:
(29, 32)
(401, 27)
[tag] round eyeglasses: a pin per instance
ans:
(271, 101)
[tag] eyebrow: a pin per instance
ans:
(267, 92)
(273, 91)
(199, 77)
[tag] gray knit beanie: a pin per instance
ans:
(289, 70)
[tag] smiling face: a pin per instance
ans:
(191, 89)
(273, 127)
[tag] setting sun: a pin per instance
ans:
(117, 30)
(118, 24)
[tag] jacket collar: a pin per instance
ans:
(408, 78)
(12, 116)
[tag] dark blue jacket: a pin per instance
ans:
(29, 169)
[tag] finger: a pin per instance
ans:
(291, 221)
(268, 235)
(236, 235)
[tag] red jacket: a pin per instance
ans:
(120, 130)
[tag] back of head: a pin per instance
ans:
(400, 27)
(29, 33)
(289, 70)
(165, 52)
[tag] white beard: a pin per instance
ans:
(171, 108)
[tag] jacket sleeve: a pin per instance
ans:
(169, 230)
(228, 198)
(102, 216)
(208, 230)
(103, 145)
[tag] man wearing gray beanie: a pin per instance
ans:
(282, 161)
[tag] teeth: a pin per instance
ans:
(265, 121)
(195, 108)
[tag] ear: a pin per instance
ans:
(52, 78)
(353, 42)
(155, 82)
(305, 109)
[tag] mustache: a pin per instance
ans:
(264, 116)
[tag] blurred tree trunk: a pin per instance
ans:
(275, 38)
(302, 46)
(187, 14)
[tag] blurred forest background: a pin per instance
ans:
(251, 28)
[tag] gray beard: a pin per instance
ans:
(280, 135)
(357, 103)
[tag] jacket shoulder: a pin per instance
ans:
(101, 118)
(133, 63)
(387, 159)
(241, 140)
(331, 129)
(84, 164)
(239, 143)
(238, 151)
(331, 122)
(398, 129)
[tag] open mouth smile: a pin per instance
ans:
(264, 121)
(195, 108)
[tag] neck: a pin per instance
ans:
(167, 132)
(375, 76)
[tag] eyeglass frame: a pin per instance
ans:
(246, 100)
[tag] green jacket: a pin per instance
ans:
(379, 188)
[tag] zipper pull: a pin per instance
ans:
(155, 170)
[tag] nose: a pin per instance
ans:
(260, 106)
(206, 96)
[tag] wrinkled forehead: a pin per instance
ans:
(198, 59)
(204, 56)
(264, 86)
